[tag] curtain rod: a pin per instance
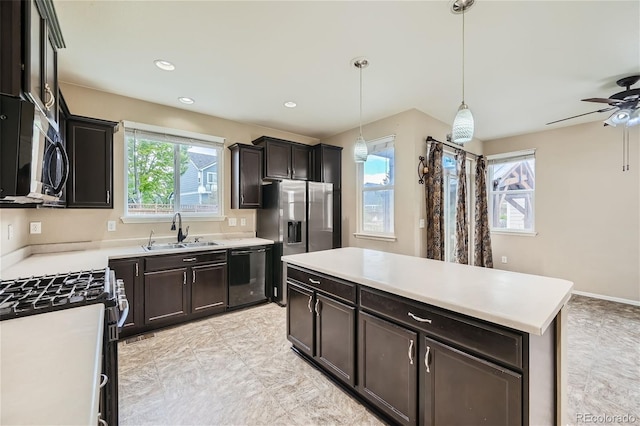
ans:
(454, 146)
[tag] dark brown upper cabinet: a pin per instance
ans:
(90, 149)
(30, 38)
(285, 159)
(246, 176)
(327, 164)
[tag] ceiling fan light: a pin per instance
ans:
(619, 117)
(463, 125)
(634, 119)
(360, 151)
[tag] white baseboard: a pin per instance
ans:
(609, 298)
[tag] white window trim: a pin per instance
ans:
(372, 146)
(508, 157)
(198, 139)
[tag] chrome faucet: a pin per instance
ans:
(181, 236)
(150, 241)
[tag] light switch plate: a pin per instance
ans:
(421, 223)
(233, 221)
(35, 227)
(111, 225)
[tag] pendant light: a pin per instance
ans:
(360, 151)
(463, 123)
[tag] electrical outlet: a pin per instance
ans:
(421, 223)
(243, 221)
(111, 225)
(35, 227)
(504, 259)
(9, 232)
(233, 221)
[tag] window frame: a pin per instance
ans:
(372, 147)
(180, 137)
(508, 157)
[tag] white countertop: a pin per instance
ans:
(524, 302)
(67, 261)
(50, 367)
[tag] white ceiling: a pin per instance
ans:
(527, 62)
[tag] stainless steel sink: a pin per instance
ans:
(173, 246)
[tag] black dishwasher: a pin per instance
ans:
(247, 276)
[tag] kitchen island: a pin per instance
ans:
(429, 342)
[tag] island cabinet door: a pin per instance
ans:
(165, 296)
(335, 337)
(387, 368)
(300, 317)
(208, 289)
(461, 389)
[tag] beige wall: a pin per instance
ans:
(18, 219)
(411, 129)
(586, 210)
(72, 225)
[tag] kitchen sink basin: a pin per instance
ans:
(173, 246)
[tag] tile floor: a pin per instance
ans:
(238, 369)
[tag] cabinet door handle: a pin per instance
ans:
(137, 269)
(108, 196)
(309, 303)
(419, 319)
(52, 99)
(104, 380)
(312, 281)
(316, 307)
(184, 278)
(189, 259)
(426, 359)
(101, 421)
(242, 199)
(410, 353)
(193, 276)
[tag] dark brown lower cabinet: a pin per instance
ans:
(130, 271)
(208, 289)
(323, 328)
(459, 389)
(388, 367)
(165, 296)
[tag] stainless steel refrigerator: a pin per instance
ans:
(298, 217)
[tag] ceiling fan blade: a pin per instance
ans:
(604, 100)
(580, 115)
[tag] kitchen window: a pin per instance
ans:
(511, 190)
(376, 191)
(166, 171)
(450, 187)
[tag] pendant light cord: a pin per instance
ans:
(360, 68)
(463, 11)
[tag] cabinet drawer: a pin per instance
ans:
(492, 342)
(340, 289)
(156, 263)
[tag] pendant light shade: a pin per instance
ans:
(360, 151)
(463, 124)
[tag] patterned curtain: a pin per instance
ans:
(434, 192)
(461, 248)
(482, 237)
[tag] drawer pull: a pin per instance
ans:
(189, 259)
(101, 421)
(419, 319)
(104, 380)
(426, 359)
(410, 353)
(312, 281)
(309, 304)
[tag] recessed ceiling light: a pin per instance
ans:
(290, 104)
(186, 100)
(164, 65)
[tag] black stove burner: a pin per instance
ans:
(27, 296)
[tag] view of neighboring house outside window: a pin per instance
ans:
(450, 183)
(376, 190)
(166, 174)
(511, 191)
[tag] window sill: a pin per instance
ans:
(169, 219)
(378, 237)
(518, 233)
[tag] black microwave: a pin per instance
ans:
(34, 164)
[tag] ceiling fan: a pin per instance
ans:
(625, 105)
